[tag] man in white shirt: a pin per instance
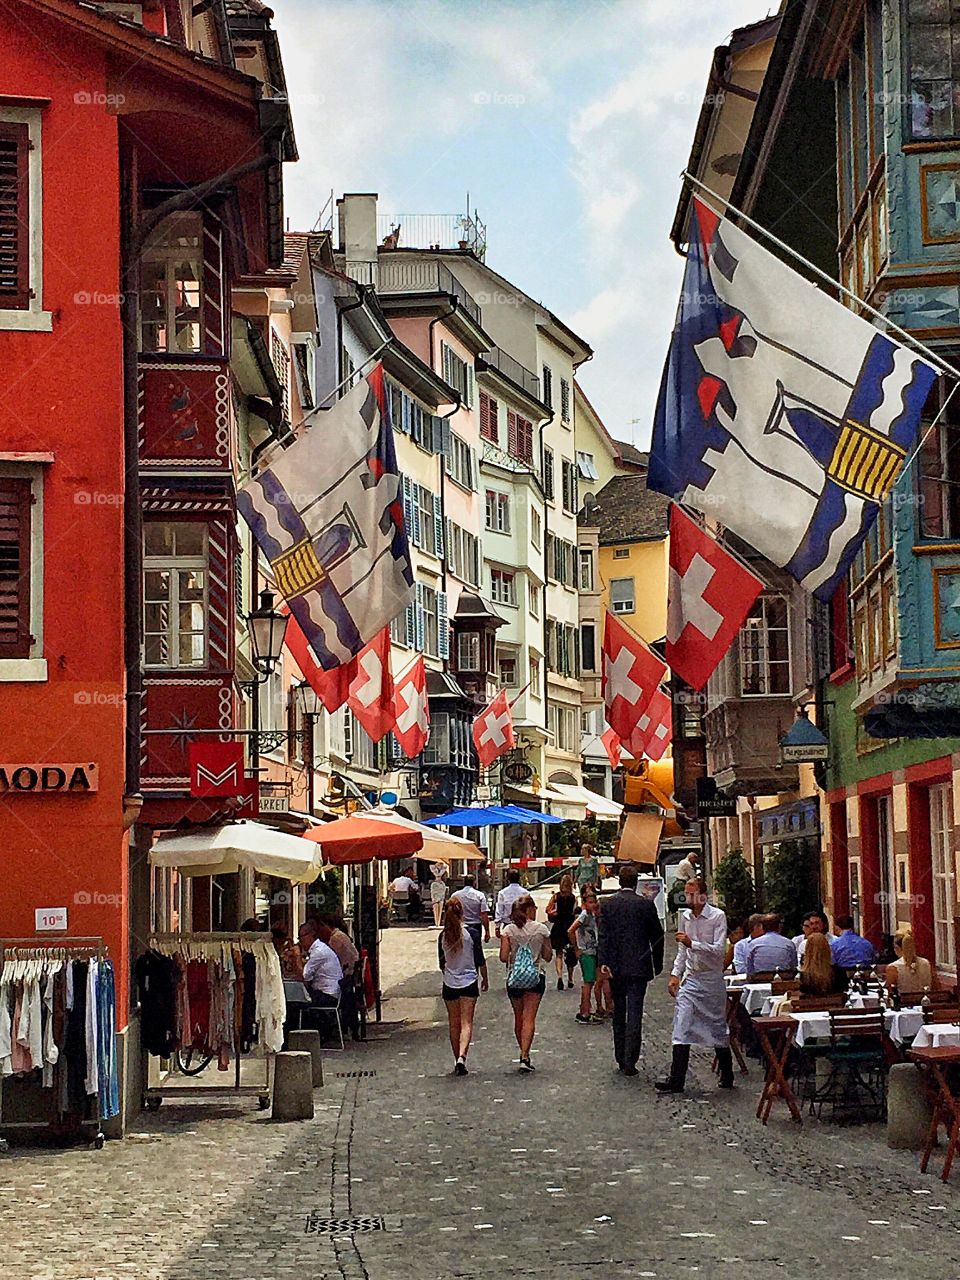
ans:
(507, 896)
(813, 922)
(322, 971)
(406, 889)
(700, 1013)
(476, 909)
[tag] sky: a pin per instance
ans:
(568, 122)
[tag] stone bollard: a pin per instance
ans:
(292, 1086)
(909, 1109)
(309, 1042)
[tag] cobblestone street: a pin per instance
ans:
(574, 1171)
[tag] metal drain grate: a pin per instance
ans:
(342, 1226)
(354, 1075)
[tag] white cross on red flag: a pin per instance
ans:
(654, 730)
(371, 693)
(331, 686)
(631, 674)
(493, 730)
(709, 595)
(412, 710)
(611, 745)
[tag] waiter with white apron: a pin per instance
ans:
(700, 1015)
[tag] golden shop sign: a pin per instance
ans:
(48, 779)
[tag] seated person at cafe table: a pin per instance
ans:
(910, 973)
(322, 971)
(771, 951)
(819, 976)
(849, 947)
(339, 942)
(753, 929)
(813, 922)
(291, 962)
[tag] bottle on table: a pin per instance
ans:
(926, 1006)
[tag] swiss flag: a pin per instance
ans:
(331, 687)
(654, 729)
(611, 745)
(371, 693)
(412, 710)
(493, 730)
(709, 596)
(631, 674)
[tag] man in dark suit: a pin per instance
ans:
(630, 955)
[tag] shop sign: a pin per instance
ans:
(517, 771)
(712, 803)
(216, 768)
(48, 779)
(274, 804)
(50, 919)
(804, 753)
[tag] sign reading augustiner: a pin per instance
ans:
(48, 779)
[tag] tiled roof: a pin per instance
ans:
(248, 8)
(630, 512)
(294, 247)
(631, 455)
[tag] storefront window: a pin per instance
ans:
(944, 874)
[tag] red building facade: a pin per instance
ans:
(140, 177)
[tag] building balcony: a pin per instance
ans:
(523, 378)
(402, 275)
(743, 746)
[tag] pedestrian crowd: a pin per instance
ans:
(617, 941)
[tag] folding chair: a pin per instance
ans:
(733, 1027)
(317, 1011)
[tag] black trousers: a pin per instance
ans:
(628, 996)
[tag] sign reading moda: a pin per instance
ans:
(781, 413)
(48, 779)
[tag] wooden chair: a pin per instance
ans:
(857, 1058)
(733, 1026)
(945, 1014)
(784, 986)
(801, 1003)
(910, 1000)
(767, 975)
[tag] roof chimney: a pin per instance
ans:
(357, 221)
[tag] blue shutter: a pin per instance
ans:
(418, 530)
(410, 626)
(418, 622)
(437, 528)
(443, 626)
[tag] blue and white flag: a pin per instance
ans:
(781, 412)
(328, 516)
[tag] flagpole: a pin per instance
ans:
(823, 275)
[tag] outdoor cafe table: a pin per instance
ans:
(934, 1062)
(754, 995)
(900, 1025)
(776, 1036)
(936, 1035)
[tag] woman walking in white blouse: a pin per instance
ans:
(697, 985)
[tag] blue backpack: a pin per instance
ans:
(524, 973)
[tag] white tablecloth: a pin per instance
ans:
(936, 1034)
(754, 994)
(900, 1026)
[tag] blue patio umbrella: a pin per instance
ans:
(491, 816)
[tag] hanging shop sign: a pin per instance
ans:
(712, 803)
(216, 768)
(517, 771)
(276, 797)
(48, 779)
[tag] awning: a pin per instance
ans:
(569, 808)
(438, 846)
(219, 850)
(602, 808)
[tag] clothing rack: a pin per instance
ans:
(208, 946)
(59, 950)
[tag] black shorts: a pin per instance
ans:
(517, 993)
(461, 993)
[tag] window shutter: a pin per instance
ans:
(15, 499)
(418, 622)
(14, 216)
(447, 364)
(408, 507)
(474, 470)
(477, 561)
(470, 385)
(443, 626)
(513, 440)
(410, 626)
(437, 528)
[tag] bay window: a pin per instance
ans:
(175, 599)
(171, 289)
(765, 648)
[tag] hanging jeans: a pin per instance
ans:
(108, 1085)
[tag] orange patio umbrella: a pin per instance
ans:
(355, 840)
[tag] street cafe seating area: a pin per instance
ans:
(829, 1056)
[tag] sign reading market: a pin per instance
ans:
(48, 779)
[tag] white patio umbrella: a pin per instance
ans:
(218, 850)
(438, 846)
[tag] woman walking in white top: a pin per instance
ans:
(524, 947)
(461, 960)
(438, 892)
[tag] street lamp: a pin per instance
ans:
(310, 705)
(268, 626)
